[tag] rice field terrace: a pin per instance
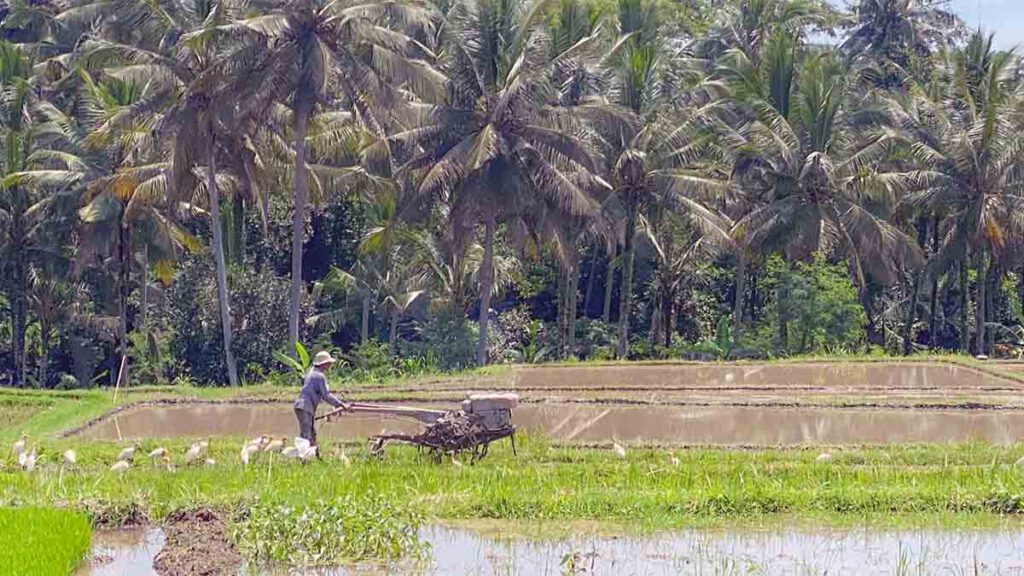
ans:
(796, 467)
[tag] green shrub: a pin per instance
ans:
(595, 339)
(814, 308)
(259, 309)
(446, 341)
(342, 531)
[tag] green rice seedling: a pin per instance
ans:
(42, 541)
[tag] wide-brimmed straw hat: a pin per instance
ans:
(323, 357)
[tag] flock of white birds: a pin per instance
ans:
(300, 449)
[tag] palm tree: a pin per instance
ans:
(895, 31)
(189, 77)
(126, 194)
(679, 250)
(810, 152)
(316, 53)
(496, 147)
(968, 146)
(15, 202)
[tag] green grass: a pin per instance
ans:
(42, 541)
(976, 483)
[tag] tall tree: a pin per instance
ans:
(316, 52)
(968, 145)
(495, 146)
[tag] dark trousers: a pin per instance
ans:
(307, 426)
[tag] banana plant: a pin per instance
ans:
(300, 365)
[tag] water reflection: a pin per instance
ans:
(770, 551)
(587, 423)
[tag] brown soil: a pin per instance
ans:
(117, 517)
(197, 545)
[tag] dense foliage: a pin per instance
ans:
(188, 189)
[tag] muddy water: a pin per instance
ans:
(735, 552)
(588, 423)
(123, 552)
(777, 551)
(831, 376)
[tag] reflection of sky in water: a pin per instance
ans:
(724, 425)
(779, 551)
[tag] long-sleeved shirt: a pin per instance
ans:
(314, 391)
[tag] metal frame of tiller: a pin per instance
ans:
(482, 420)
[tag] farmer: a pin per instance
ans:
(314, 391)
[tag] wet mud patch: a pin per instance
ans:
(117, 516)
(197, 544)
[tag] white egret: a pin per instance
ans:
(20, 445)
(619, 450)
(276, 445)
(195, 452)
(27, 460)
(128, 454)
(121, 466)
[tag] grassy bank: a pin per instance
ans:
(544, 483)
(43, 542)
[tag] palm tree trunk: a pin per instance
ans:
(965, 338)
(486, 280)
(393, 332)
(979, 335)
(992, 303)
(626, 289)
(144, 296)
(124, 259)
(590, 283)
(19, 297)
(571, 300)
(219, 260)
(238, 230)
(911, 316)
(670, 319)
(933, 320)
(44, 345)
(933, 325)
(364, 330)
(783, 314)
(302, 111)
(562, 312)
(737, 305)
(609, 285)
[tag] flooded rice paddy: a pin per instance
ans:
(775, 551)
(586, 424)
(831, 376)
(686, 404)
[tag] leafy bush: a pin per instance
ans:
(446, 341)
(511, 332)
(330, 533)
(595, 340)
(814, 308)
(259, 309)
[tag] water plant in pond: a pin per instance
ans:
(340, 531)
(42, 541)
